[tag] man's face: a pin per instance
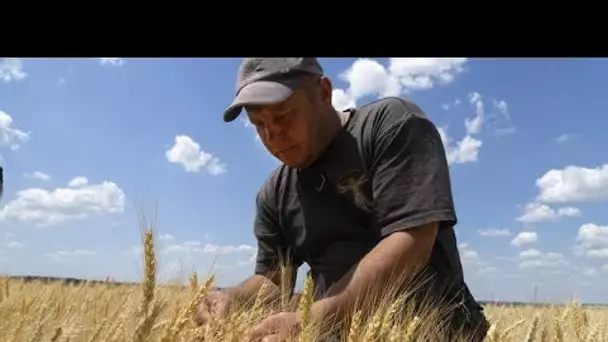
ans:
(288, 129)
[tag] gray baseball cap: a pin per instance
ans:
(268, 80)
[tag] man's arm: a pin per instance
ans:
(250, 287)
(271, 253)
(400, 254)
(412, 201)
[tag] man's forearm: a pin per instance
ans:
(393, 259)
(249, 289)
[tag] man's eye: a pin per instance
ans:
(283, 116)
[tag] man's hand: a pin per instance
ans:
(275, 328)
(216, 302)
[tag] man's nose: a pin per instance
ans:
(272, 132)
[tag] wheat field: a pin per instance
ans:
(150, 312)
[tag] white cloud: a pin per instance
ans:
(590, 272)
(472, 262)
(467, 150)
(466, 253)
(574, 184)
(502, 107)
(463, 151)
(367, 77)
(500, 123)
(185, 256)
(9, 135)
(530, 253)
(198, 247)
(601, 253)
(592, 240)
(15, 244)
(188, 153)
(425, 73)
(474, 126)
(524, 238)
(563, 138)
(341, 100)
(538, 212)
(71, 255)
(78, 182)
(196, 253)
(450, 105)
(76, 252)
(493, 232)
(52, 207)
(166, 237)
(112, 61)
(37, 175)
(11, 69)
(568, 212)
(533, 258)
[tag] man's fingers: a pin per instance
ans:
(206, 308)
(271, 338)
(215, 304)
(265, 328)
(277, 327)
(220, 308)
(255, 333)
(202, 313)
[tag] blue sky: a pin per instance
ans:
(83, 140)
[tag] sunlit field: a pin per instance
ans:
(149, 312)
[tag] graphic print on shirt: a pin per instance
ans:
(353, 183)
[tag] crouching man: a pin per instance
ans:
(363, 197)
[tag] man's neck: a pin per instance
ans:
(333, 125)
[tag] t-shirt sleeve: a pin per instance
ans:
(272, 249)
(411, 180)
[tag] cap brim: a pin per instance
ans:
(258, 93)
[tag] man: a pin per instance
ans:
(363, 196)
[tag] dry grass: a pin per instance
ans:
(148, 312)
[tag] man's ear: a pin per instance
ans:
(326, 89)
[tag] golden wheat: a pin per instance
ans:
(113, 313)
(152, 312)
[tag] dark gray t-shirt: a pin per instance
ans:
(386, 171)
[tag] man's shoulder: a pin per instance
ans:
(374, 120)
(377, 116)
(391, 107)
